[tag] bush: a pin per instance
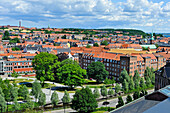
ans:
(105, 109)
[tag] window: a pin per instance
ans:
(23, 63)
(19, 64)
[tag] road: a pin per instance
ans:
(112, 103)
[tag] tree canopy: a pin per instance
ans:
(96, 45)
(96, 70)
(44, 64)
(66, 98)
(96, 92)
(104, 43)
(71, 75)
(36, 89)
(124, 75)
(84, 101)
(54, 98)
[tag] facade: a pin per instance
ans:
(18, 65)
(115, 63)
(162, 77)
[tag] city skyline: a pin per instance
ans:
(90, 14)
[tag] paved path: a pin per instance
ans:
(61, 111)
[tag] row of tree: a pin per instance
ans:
(129, 99)
(129, 83)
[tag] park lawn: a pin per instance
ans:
(68, 90)
(21, 80)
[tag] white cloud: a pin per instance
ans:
(149, 24)
(93, 13)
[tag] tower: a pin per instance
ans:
(152, 38)
(19, 23)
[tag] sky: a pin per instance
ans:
(90, 14)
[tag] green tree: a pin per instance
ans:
(147, 72)
(107, 81)
(88, 46)
(152, 70)
(2, 103)
(104, 91)
(131, 85)
(148, 82)
(23, 92)
(14, 74)
(124, 75)
(1, 92)
(112, 81)
(68, 61)
(110, 92)
(96, 45)
(128, 99)
(136, 76)
(15, 40)
(96, 92)
(15, 49)
(16, 105)
(117, 88)
(137, 84)
(66, 99)
(153, 78)
(6, 36)
(104, 43)
(142, 83)
(54, 98)
(136, 95)
(120, 102)
(96, 70)
(125, 86)
(29, 104)
(42, 99)
(14, 93)
(45, 64)
(71, 75)
(84, 101)
(36, 89)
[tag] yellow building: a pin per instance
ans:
(128, 51)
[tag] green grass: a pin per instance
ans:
(69, 90)
(100, 112)
(20, 80)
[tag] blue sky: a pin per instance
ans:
(137, 14)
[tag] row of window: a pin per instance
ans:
(22, 67)
(23, 63)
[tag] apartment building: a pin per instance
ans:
(115, 63)
(18, 65)
(162, 77)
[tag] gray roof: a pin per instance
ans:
(162, 107)
(165, 91)
(138, 106)
(63, 50)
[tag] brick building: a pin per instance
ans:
(17, 65)
(115, 63)
(162, 77)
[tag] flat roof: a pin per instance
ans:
(137, 106)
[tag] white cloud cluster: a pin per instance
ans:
(143, 14)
